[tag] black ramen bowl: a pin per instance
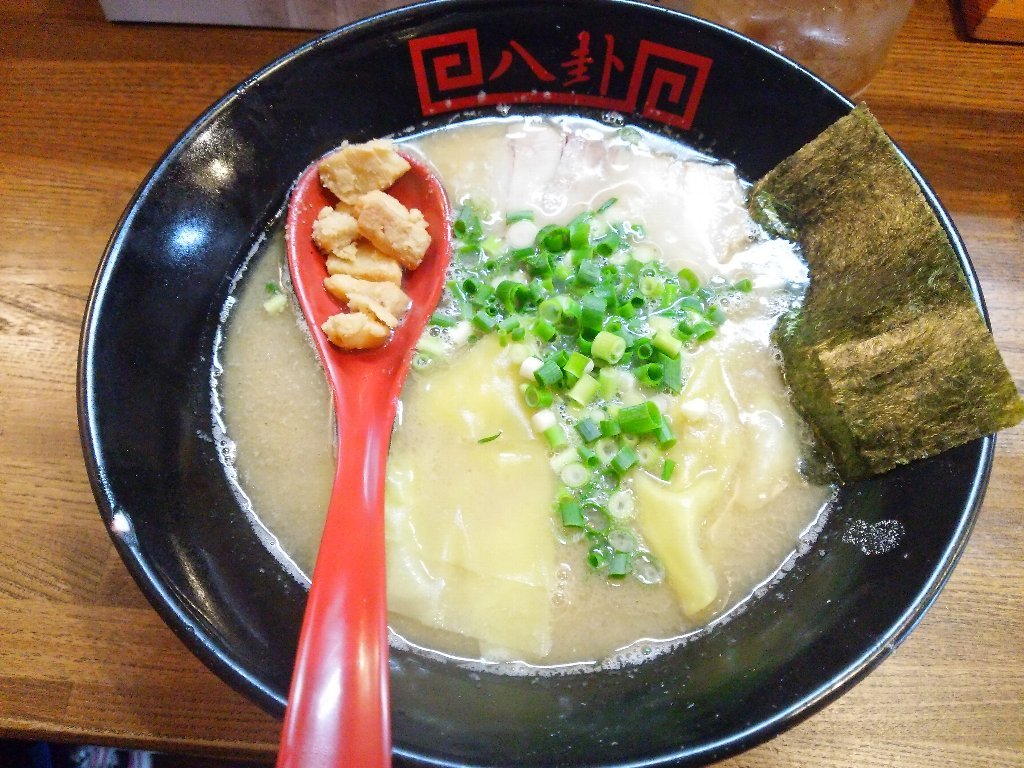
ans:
(147, 353)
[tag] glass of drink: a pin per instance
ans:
(842, 41)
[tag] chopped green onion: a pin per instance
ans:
(643, 349)
(667, 343)
(484, 321)
(549, 373)
(650, 375)
(640, 419)
(589, 273)
(554, 239)
(606, 448)
(691, 304)
(276, 304)
(588, 430)
(614, 325)
(584, 390)
(618, 565)
(518, 255)
(550, 310)
(576, 257)
(652, 287)
(430, 345)
(607, 204)
(575, 475)
(703, 330)
(537, 264)
(664, 435)
(578, 364)
(667, 469)
(608, 348)
(608, 378)
(467, 226)
(458, 295)
(571, 514)
(596, 558)
(623, 540)
(624, 460)
(592, 310)
(529, 366)
(556, 437)
(715, 315)
(509, 324)
(513, 216)
(541, 421)
(535, 397)
(544, 330)
(608, 244)
(588, 457)
(672, 373)
(596, 517)
(626, 310)
(610, 427)
(581, 217)
(561, 460)
(489, 438)
(442, 320)
(491, 245)
(745, 285)
(508, 293)
(688, 280)
(272, 288)
(579, 233)
(670, 294)
(620, 505)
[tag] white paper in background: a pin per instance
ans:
(295, 14)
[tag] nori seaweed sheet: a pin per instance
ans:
(888, 357)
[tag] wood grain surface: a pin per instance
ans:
(86, 108)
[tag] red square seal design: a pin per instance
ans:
(445, 66)
(675, 82)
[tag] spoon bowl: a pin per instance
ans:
(338, 705)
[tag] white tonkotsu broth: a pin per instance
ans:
(478, 566)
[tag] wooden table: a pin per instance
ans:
(86, 107)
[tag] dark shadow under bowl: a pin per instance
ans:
(145, 386)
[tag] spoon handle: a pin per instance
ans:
(338, 712)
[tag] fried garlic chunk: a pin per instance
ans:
(355, 330)
(396, 230)
(386, 301)
(362, 260)
(334, 230)
(356, 169)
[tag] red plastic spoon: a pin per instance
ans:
(338, 712)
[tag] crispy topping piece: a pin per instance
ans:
(361, 259)
(393, 228)
(355, 330)
(386, 301)
(334, 230)
(356, 169)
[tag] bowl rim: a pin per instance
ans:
(218, 659)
